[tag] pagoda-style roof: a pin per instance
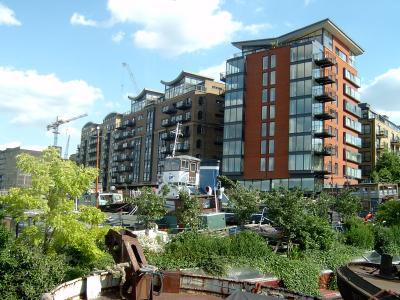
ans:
(184, 74)
(143, 93)
(111, 115)
(300, 33)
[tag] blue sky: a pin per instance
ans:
(64, 58)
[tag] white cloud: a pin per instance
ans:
(7, 16)
(33, 98)
(255, 29)
(15, 144)
(78, 19)
(118, 37)
(382, 94)
(214, 71)
(177, 26)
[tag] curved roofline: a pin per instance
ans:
(88, 124)
(144, 92)
(298, 33)
(182, 75)
(110, 115)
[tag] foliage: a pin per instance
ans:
(322, 205)
(389, 213)
(226, 182)
(57, 227)
(387, 168)
(151, 206)
(25, 272)
(299, 218)
(347, 204)
(189, 210)
(387, 240)
(358, 233)
(243, 202)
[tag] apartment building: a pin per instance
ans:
(197, 103)
(379, 134)
(291, 110)
(133, 145)
(10, 175)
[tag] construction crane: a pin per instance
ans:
(54, 126)
(128, 68)
(67, 147)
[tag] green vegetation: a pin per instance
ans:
(387, 168)
(151, 206)
(61, 244)
(359, 234)
(189, 211)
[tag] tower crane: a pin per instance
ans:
(54, 126)
(128, 68)
(67, 147)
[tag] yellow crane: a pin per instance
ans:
(128, 68)
(54, 126)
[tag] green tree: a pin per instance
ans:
(50, 203)
(243, 202)
(189, 210)
(297, 216)
(387, 168)
(347, 204)
(151, 206)
(389, 213)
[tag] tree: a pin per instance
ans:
(387, 168)
(189, 210)
(151, 206)
(387, 235)
(50, 204)
(297, 217)
(243, 202)
(347, 204)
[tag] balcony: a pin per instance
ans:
(322, 76)
(322, 171)
(325, 115)
(324, 60)
(381, 147)
(165, 123)
(169, 109)
(323, 150)
(320, 132)
(184, 104)
(382, 134)
(222, 76)
(182, 147)
(168, 136)
(395, 142)
(324, 94)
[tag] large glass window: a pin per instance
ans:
(272, 94)
(233, 131)
(272, 78)
(263, 129)
(270, 164)
(264, 113)
(272, 111)
(273, 61)
(264, 97)
(265, 79)
(235, 66)
(271, 128)
(271, 147)
(262, 164)
(263, 149)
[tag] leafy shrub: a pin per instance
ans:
(358, 234)
(387, 240)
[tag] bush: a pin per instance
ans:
(358, 234)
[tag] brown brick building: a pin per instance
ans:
(291, 110)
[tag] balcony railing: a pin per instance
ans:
(184, 104)
(323, 150)
(324, 94)
(222, 76)
(322, 76)
(324, 59)
(382, 134)
(321, 132)
(325, 115)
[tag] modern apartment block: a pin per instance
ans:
(134, 144)
(10, 175)
(379, 134)
(291, 110)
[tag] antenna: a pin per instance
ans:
(177, 132)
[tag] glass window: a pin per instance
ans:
(307, 69)
(271, 128)
(270, 164)
(300, 106)
(271, 147)
(300, 52)
(300, 70)
(293, 73)
(292, 125)
(264, 112)
(262, 164)
(263, 147)
(264, 129)
(292, 143)
(292, 162)
(292, 109)
(273, 61)
(272, 111)
(265, 62)
(272, 94)
(299, 162)
(265, 79)
(264, 96)
(293, 54)
(308, 51)
(272, 78)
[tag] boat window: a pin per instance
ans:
(185, 165)
(193, 167)
(172, 165)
